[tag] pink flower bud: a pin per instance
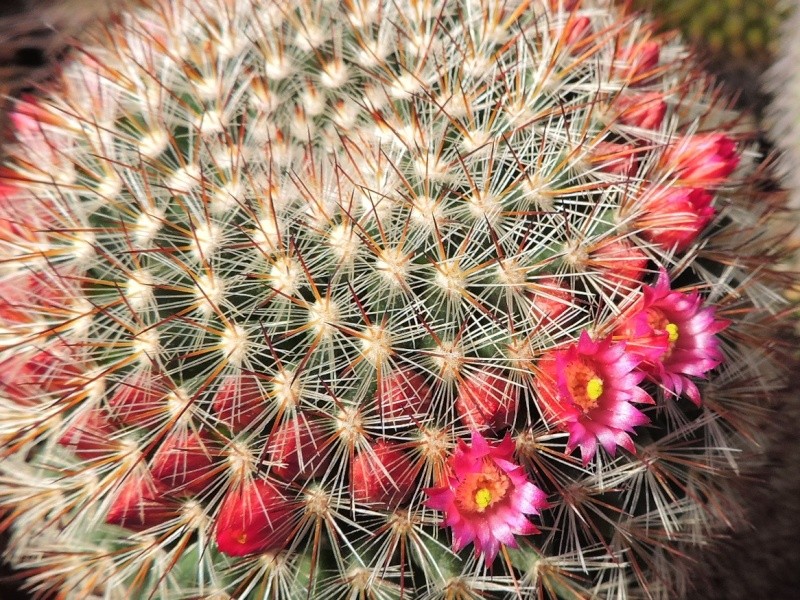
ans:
(622, 263)
(184, 462)
(383, 475)
(673, 217)
(239, 401)
(254, 518)
(638, 61)
(27, 296)
(298, 449)
(138, 503)
(487, 400)
(30, 375)
(644, 110)
(549, 299)
(89, 434)
(403, 395)
(577, 30)
(611, 157)
(140, 398)
(701, 160)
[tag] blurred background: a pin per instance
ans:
(738, 40)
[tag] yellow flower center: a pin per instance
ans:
(584, 385)
(672, 332)
(594, 388)
(479, 491)
(483, 497)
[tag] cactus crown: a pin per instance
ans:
(287, 286)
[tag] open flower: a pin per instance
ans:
(486, 497)
(674, 335)
(587, 389)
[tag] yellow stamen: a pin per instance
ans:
(242, 537)
(594, 388)
(483, 497)
(672, 331)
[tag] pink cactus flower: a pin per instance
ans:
(486, 497)
(673, 217)
(701, 160)
(588, 389)
(675, 336)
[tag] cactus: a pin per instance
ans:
(378, 300)
(783, 121)
(737, 30)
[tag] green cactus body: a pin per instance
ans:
(269, 267)
(735, 30)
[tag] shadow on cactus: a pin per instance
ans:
(349, 300)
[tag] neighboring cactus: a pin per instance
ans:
(286, 288)
(735, 30)
(783, 82)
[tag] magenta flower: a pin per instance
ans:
(587, 389)
(486, 497)
(675, 337)
(703, 159)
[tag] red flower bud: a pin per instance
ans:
(487, 399)
(639, 61)
(621, 262)
(28, 376)
(184, 462)
(298, 448)
(254, 518)
(701, 160)
(89, 434)
(577, 30)
(239, 401)
(140, 398)
(139, 504)
(403, 395)
(673, 217)
(611, 157)
(549, 299)
(644, 110)
(382, 476)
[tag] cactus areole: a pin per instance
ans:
(373, 299)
